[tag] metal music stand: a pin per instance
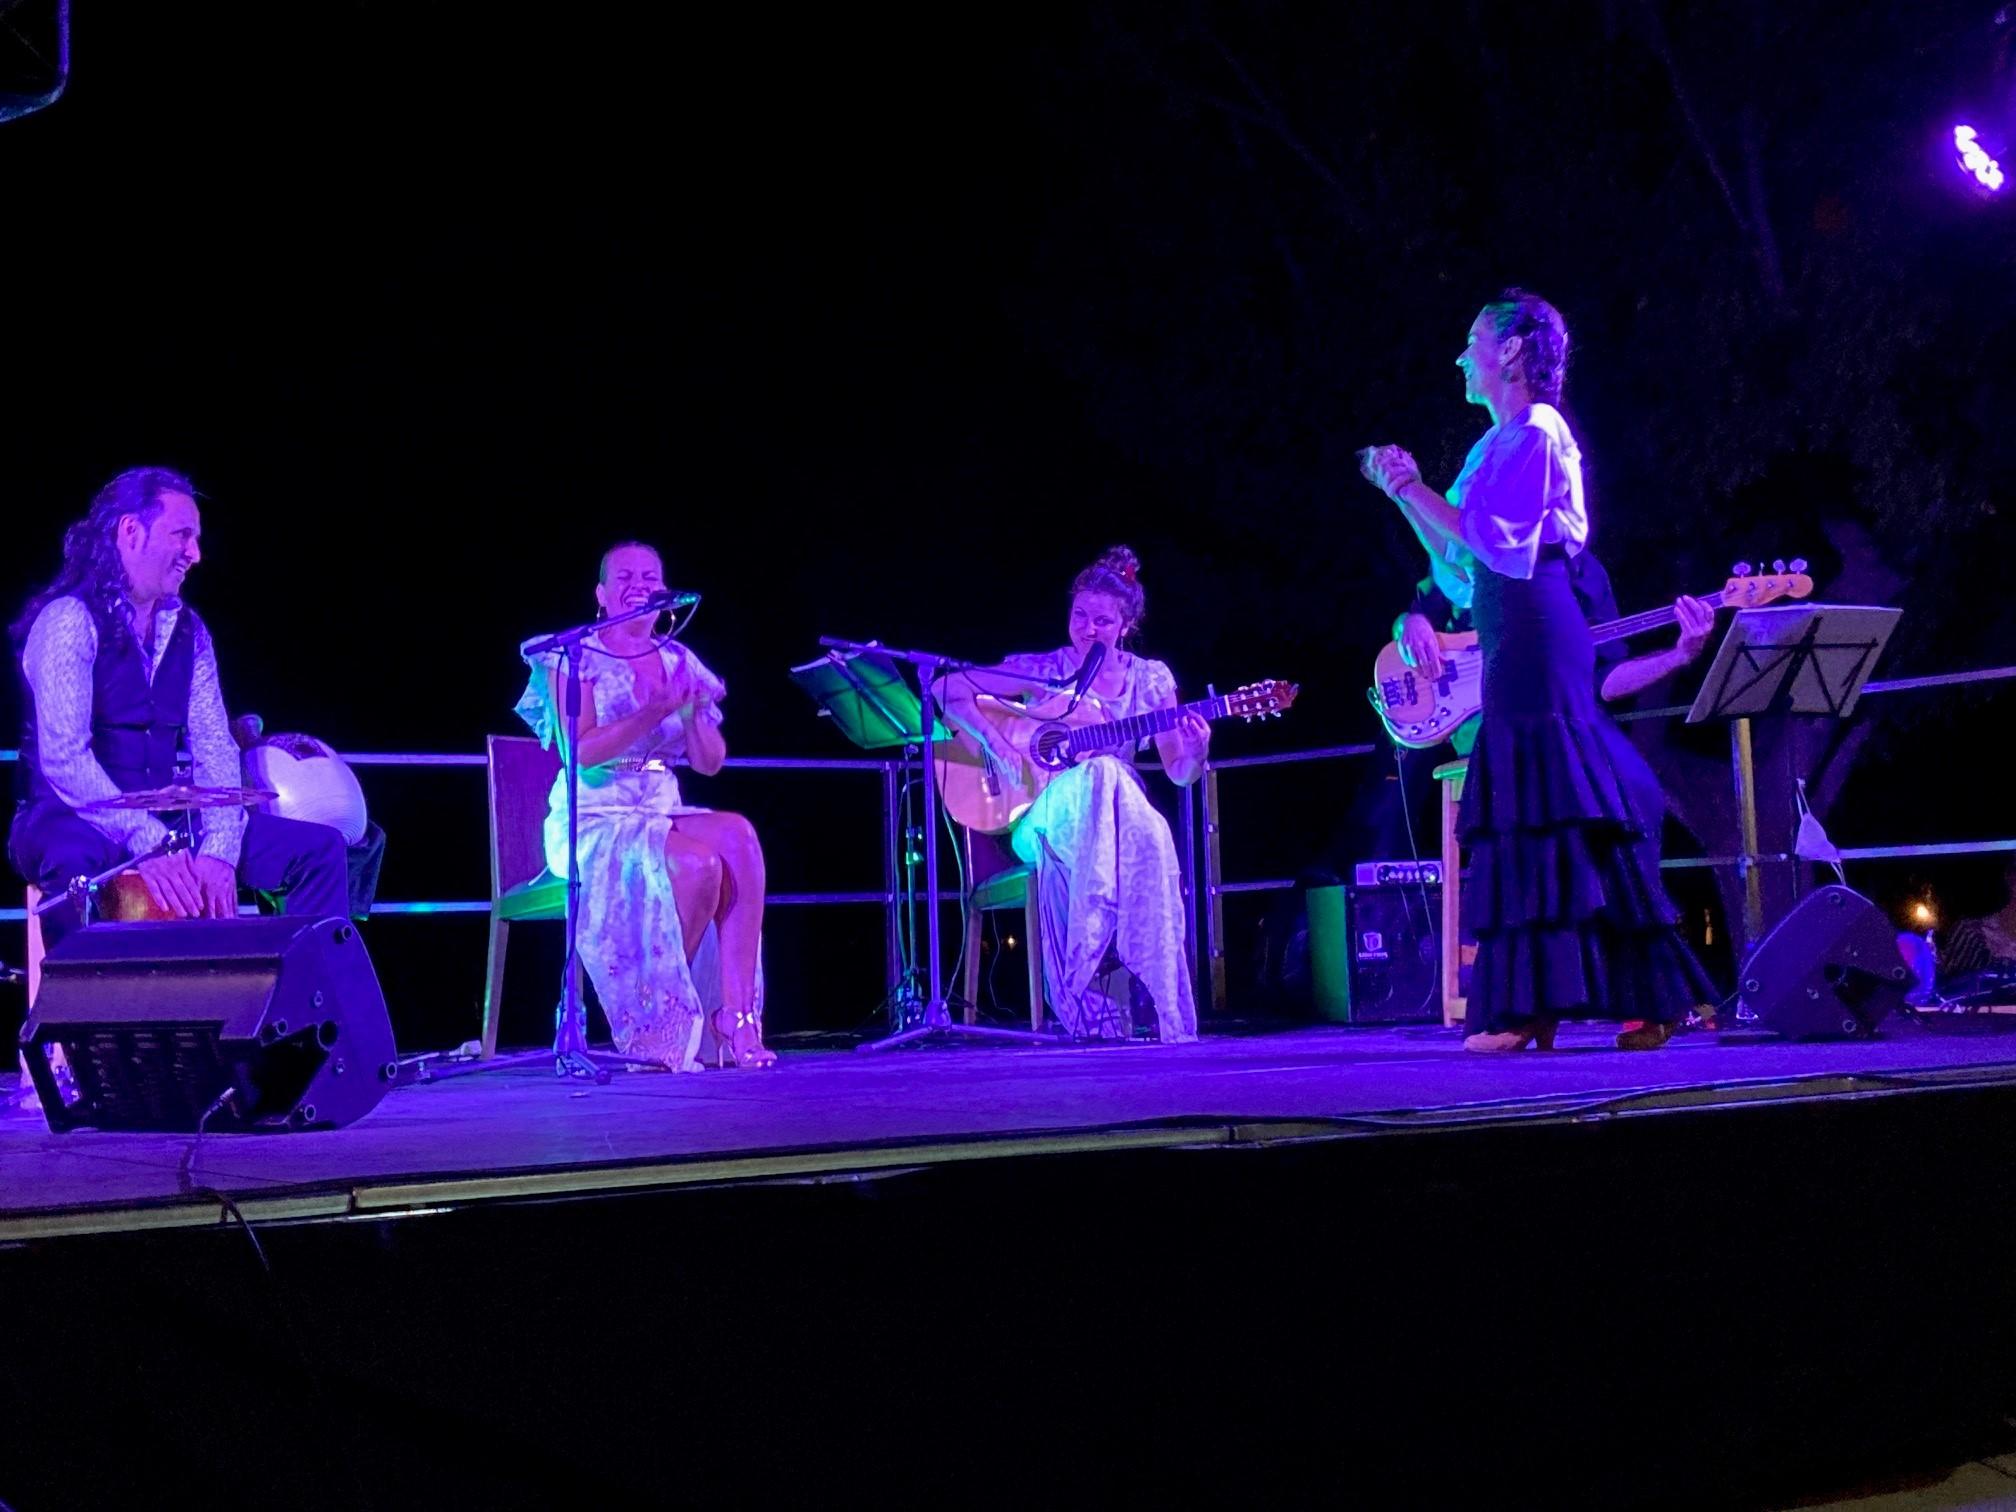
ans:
(871, 695)
(865, 697)
(1790, 659)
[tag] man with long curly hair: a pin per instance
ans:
(118, 674)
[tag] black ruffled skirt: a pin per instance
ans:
(1561, 817)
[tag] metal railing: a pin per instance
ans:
(890, 895)
(1216, 887)
(895, 897)
(902, 886)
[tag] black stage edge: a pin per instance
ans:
(1717, 1307)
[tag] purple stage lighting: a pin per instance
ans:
(1974, 158)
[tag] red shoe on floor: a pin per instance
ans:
(1644, 1036)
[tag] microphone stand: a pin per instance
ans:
(935, 1017)
(570, 1054)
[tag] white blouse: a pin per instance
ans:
(1520, 489)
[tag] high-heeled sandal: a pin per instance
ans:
(1645, 1036)
(1539, 1033)
(748, 1057)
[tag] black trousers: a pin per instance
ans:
(305, 864)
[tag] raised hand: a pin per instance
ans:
(1388, 468)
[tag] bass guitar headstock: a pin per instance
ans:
(1748, 589)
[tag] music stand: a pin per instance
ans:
(1790, 659)
(864, 691)
(867, 700)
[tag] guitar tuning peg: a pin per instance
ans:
(1779, 565)
(1798, 564)
(1741, 569)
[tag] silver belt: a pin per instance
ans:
(646, 764)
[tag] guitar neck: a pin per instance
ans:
(1651, 619)
(1138, 727)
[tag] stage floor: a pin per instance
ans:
(824, 1113)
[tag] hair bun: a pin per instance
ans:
(1121, 560)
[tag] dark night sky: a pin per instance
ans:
(882, 327)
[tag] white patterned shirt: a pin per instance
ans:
(57, 661)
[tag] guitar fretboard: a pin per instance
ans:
(1138, 727)
(1651, 619)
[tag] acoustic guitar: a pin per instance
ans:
(1420, 713)
(1048, 736)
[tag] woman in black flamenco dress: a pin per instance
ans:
(1560, 813)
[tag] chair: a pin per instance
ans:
(1455, 953)
(521, 888)
(996, 878)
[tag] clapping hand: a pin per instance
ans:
(1388, 468)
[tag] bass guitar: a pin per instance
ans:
(1420, 712)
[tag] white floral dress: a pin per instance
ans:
(629, 932)
(1108, 883)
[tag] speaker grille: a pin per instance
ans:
(1394, 957)
(140, 1076)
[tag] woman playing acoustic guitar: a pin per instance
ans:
(1109, 888)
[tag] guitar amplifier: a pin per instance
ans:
(1397, 873)
(1393, 957)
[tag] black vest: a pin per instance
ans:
(136, 726)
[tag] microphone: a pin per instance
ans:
(671, 598)
(1080, 680)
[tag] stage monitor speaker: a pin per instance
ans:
(1831, 969)
(1394, 960)
(259, 1023)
